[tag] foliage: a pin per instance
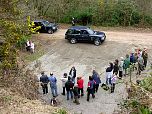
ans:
(98, 12)
(138, 102)
(61, 111)
(146, 83)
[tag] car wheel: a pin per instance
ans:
(97, 42)
(50, 31)
(73, 40)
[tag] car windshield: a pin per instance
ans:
(46, 23)
(90, 31)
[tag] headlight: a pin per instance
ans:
(54, 27)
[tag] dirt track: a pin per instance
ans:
(85, 57)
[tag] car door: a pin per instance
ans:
(85, 35)
(43, 28)
(77, 35)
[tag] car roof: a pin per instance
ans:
(39, 20)
(78, 27)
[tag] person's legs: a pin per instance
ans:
(109, 80)
(88, 95)
(46, 88)
(68, 92)
(63, 91)
(92, 93)
(120, 74)
(52, 90)
(113, 87)
(145, 63)
(76, 100)
(43, 88)
(55, 89)
(71, 93)
(82, 92)
(97, 86)
(79, 92)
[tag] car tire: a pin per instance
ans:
(50, 31)
(97, 42)
(73, 41)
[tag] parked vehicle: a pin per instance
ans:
(46, 26)
(84, 34)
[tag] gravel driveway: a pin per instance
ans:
(85, 57)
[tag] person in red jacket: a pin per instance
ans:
(80, 82)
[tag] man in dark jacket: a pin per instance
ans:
(44, 83)
(69, 88)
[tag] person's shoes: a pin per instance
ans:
(63, 94)
(88, 100)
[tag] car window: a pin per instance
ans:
(84, 32)
(90, 31)
(70, 31)
(46, 23)
(76, 32)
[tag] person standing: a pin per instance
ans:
(140, 65)
(145, 57)
(73, 21)
(113, 82)
(64, 80)
(121, 63)
(80, 82)
(32, 47)
(69, 88)
(44, 83)
(53, 85)
(109, 73)
(116, 67)
(96, 78)
(72, 73)
(126, 64)
(90, 88)
(76, 95)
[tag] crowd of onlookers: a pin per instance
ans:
(73, 85)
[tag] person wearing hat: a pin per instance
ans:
(44, 82)
(64, 80)
(121, 63)
(53, 85)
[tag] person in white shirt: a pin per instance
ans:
(28, 45)
(32, 47)
(64, 79)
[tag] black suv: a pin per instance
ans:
(81, 33)
(46, 27)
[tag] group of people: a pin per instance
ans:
(138, 61)
(29, 46)
(73, 85)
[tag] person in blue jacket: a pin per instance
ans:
(53, 85)
(96, 78)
